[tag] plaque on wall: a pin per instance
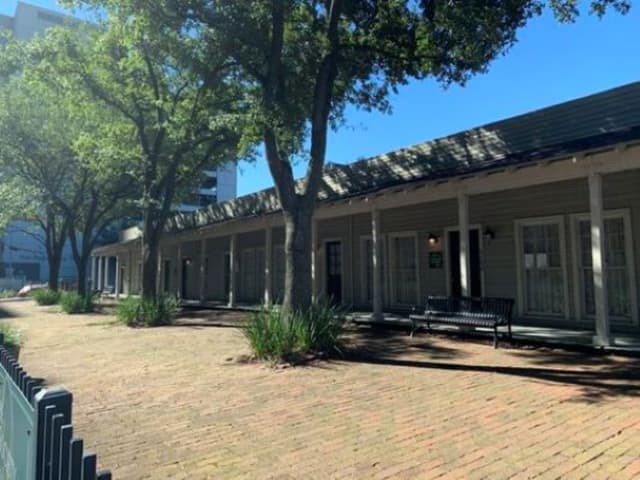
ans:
(435, 260)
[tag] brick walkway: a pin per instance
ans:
(176, 402)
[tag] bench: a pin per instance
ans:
(483, 312)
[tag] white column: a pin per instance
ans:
(268, 261)
(603, 330)
(160, 287)
(180, 279)
(117, 278)
(314, 255)
(203, 270)
(106, 271)
(377, 265)
(463, 227)
(130, 289)
(99, 285)
(233, 264)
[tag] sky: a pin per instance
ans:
(551, 63)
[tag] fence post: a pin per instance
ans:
(47, 403)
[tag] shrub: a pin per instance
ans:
(275, 335)
(8, 293)
(73, 302)
(136, 312)
(44, 296)
(12, 339)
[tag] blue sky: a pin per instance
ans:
(551, 63)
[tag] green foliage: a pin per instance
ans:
(9, 293)
(73, 303)
(12, 338)
(138, 312)
(44, 296)
(275, 335)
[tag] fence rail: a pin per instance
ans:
(36, 431)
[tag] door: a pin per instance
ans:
(455, 285)
(334, 271)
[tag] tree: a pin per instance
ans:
(47, 135)
(175, 121)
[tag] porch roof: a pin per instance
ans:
(587, 123)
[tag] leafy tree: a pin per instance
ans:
(174, 120)
(45, 128)
(302, 62)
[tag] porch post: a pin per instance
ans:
(159, 283)
(603, 328)
(268, 252)
(203, 270)
(180, 279)
(314, 255)
(463, 227)
(99, 286)
(117, 278)
(233, 262)
(106, 271)
(377, 265)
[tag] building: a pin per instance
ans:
(23, 259)
(548, 203)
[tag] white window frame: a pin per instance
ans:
(447, 262)
(526, 222)
(363, 270)
(578, 293)
(391, 261)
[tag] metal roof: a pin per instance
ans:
(595, 121)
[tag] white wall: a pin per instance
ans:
(30, 20)
(227, 182)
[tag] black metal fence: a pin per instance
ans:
(36, 430)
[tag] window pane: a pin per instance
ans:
(544, 280)
(615, 264)
(405, 270)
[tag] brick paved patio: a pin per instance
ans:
(178, 402)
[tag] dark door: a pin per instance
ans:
(184, 279)
(334, 271)
(121, 280)
(474, 261)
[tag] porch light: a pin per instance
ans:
(433, 239)
(489, 234)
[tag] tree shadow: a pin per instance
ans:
(598, 377)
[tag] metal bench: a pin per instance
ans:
(483, 312)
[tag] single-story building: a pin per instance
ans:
(543, 208)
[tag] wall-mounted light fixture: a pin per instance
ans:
(433, 240)
(489, 234)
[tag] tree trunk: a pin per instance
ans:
(55, 260)
(81, 267)
(150, 249)
(297, 284)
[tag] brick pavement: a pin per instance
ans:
(178, 402)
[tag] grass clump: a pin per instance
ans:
(12, 340)
(45, 296)
(10, 293)
(276, 335)
(137, 312)
(73, 302)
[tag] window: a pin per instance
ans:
(278, 272)
(541, 261)
(404, 269)
(209, 183)
(366, 266)
(617, 257)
